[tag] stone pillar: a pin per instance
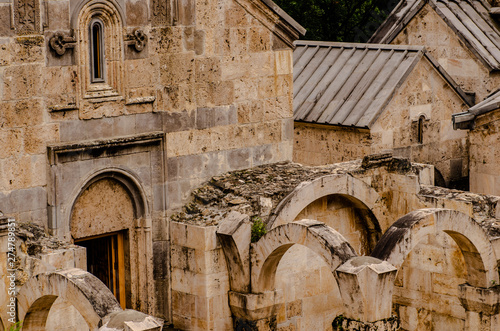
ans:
(366, 286)
(482, 306)
(200, 280)
(255, 312)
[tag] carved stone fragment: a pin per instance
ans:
(27, 16)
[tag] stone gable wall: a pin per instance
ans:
(424, 93)
(428, 29)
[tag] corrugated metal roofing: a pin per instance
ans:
(470, 19)
(348, 84)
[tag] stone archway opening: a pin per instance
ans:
(311, 294)
(435, 251)
(310, 291)
(63, 316)
(433, 270)
(101, 219)
(109, 218)
(349, 216)
(298, 259)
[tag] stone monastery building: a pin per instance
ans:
(191, 165)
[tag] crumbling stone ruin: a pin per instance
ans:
(191, 165)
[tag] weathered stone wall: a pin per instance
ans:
(218, 85)
(213, 77)
(424, 93)
(485, 154)
(428, 29)
(323, 144)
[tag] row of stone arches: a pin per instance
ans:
(401, 238)
(394, 247)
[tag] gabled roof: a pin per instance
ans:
(351, 84)
(471, 20)
(465, 120)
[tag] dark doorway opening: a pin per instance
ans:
(106, 261)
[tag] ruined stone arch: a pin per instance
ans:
(308, 192)
(341, 191)
(406, 233)
(85, 292)
(268, 251)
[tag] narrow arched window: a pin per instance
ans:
(96, 51)
(420, 129)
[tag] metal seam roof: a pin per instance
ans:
(351, 84)
(470, 19)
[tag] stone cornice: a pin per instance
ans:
(275, 19)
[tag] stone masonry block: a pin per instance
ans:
(58, 14)
(12, 142)
(205, 118)
(239, 159)
(160, 262)
(22, 113)
(28, 49)
(178, 121)
(5, 25)
(21, 81)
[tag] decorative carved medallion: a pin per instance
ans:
(27, 16)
